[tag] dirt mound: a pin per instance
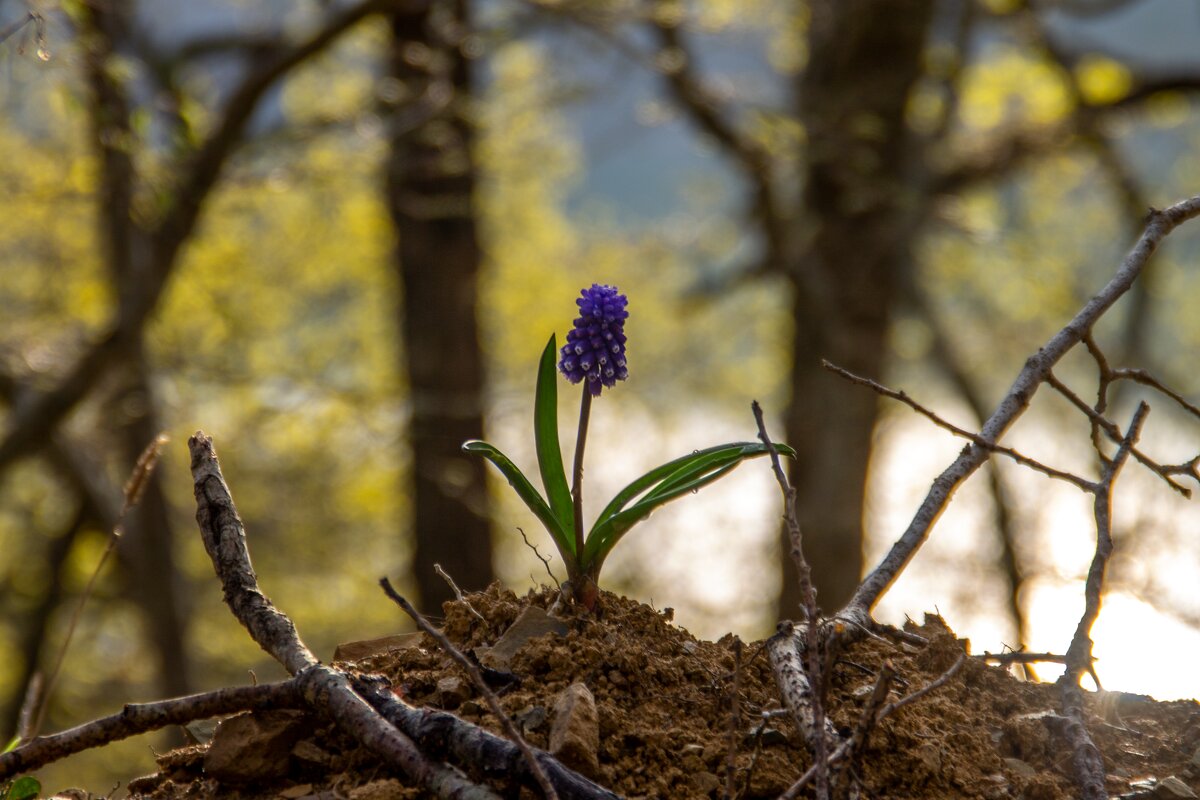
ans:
(665, 710)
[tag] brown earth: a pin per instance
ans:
(664, 708)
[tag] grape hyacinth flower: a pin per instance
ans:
(595, 348)
(594, 355)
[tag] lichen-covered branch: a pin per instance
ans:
(326, 690)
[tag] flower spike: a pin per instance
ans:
(595, 348)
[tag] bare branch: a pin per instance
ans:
(440, 733)
(1087, 761)
(325, 689)
(30, 425)
(702, 108)
(804, 693)
(1020, 394)
(458, 595)
(1114, 433)
(137, 718)
(477, 678)
(849, 745)
(1146, 379)
(903, 397)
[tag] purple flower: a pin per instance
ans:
(595, 347)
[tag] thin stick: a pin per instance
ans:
(846, 748)
(975, 438)
(1022, 657)
(138, 478)
(544, 559)
(807, 691)
(492, 700)
(458, 595)
(1087, 760)
(1099, 421)
(13, 27)
(585, 412)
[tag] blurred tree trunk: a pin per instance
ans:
(856, 217)
(430, 186)
(147, 550)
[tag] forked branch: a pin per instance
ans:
(1036, 371)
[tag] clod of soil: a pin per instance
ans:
(663, 719)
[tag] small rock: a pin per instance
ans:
(357, 651)
(307, 752)
(296, 792)
(1195, 762)
(385, 789)
(201, 730)
(531, 718)
(254, 747)
(1171, 788)
(143, 785)
(1018, 767)
(532, 623)
(452, 691)
(575, 734)
(769, 737)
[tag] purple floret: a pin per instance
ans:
(595, 348)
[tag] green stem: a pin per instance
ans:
(585, 411)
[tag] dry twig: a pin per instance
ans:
(477, 678)
(136, 718)
(802, 687)
(458, 595)
(1087, 761)
(848, 746)
(138, 478)
(1035, 372)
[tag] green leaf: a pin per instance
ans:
(12, 744)
(25, 788)
(526, 492)
(659, 473)
(683, 475)
(545, 436)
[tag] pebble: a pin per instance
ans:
(255, 747)
(575, 733)
(532, 623)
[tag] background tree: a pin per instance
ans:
(1000, 158)
(431, 177)
(882, 149)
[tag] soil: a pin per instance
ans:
(665, 707)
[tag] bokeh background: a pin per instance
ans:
(336, 236)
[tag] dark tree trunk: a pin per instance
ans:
(148, 547)
(856, 218)
(430, 185)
